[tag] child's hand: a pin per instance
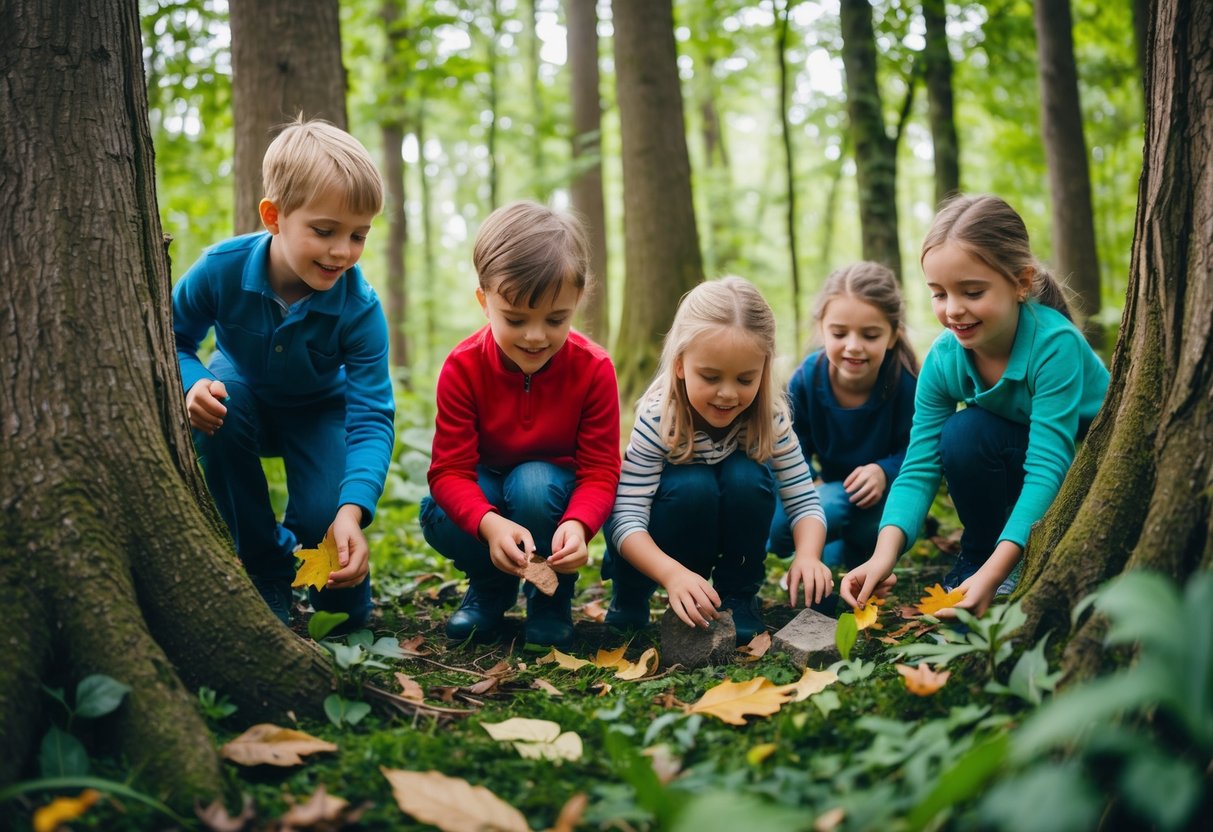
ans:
(692, 598)
(569, 552)
(866, 485)
(872, 577)
(816, 576)
(204, 405)
(352, 551)
(979, 592)
(510, 545)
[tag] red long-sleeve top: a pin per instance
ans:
(566, 413)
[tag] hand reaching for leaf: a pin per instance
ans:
(204, 405)
(978, 593)
(569, 551)
(510, 545)
(353, 553)
(692, 598)
(816, 577)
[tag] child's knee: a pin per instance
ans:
(537, 489)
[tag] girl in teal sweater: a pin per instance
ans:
(1030, 386)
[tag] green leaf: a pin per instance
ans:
(388, 647)
(322, 623)
(360, 638)
(845, 634)
(1030, 678)
(724, 811)
(98, 695)
(345, 655)
(1047, 798)
(342, 711)
(1143, 607)
(966, 777)
(355, 711)
(1163, 789)
(62, 755)
(826, 701)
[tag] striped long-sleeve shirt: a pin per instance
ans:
(647, 455)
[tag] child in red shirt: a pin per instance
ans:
(526, 444)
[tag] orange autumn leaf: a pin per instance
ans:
(809, 683)
(62, 810)
(611, 658)
(865, 616)
(936, 599)
(642, 667)
(922, 680)
(732, 701)
(757, 646)
(317, 564)
(563, 660)
(594, 611)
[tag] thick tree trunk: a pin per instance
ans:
(1074, 254)
(585, 191)
(661, 251)
(113, 559)
(938, 76)
(286, 60)
(1140, 491)
(875, 151)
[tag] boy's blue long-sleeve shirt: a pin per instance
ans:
(844, 438)
(336, 343)
(1054, 383)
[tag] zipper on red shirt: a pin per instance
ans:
(526, 398)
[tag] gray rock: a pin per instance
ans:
(695, 647)
(810, 635)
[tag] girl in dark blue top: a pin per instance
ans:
(852, 406)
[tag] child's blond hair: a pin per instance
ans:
(310, 157)
(726, 303)
(526, 251)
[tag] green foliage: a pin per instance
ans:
(62, 753)
(214, 706)
(989, 636)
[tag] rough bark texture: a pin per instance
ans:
(940, 112)
(1139, 493)
(113, 560)
(392, 132)
(1074, 254)
(585, 191)
(875, 151)
(661, 251)
(286, 60)
(782, 23)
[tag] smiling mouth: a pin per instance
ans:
(963, 327)
(329, 269)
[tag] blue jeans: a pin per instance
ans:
(850, 531)
(713, 519)
(534, 495)
(311, 441)
(983, 462)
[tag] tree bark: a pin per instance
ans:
(585, 191)
(783, 13)
(114, 560)
(940, 111)
(1074, 253)
(661, 252)
(875, 150)
(1138, 495)
(286, 60)
(392, 132)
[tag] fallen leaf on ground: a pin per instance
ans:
(317, 564)
(486, 685)
(444, 693)
(563, 660)
(409, 688)
(321, 811)
(536, 738)
(603, 688)
(61, 810)
(570, 814)
(642, 667)
(922, 680)
(936, 599)
(594, 611)
(758, 646)
(809, 683)
(216, 819)
(412, 647)
(828, 821)
(666, 764)
(732, 701)
(611, 658)
(268, 744)
(541, 575)
(865, 616)
(547, 687)
(452, 804)
(760, 752)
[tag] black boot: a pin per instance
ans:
(484, 605)
(629, 609)
(746, 617)
(549, 619)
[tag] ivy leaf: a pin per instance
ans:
(268, 744)
(732, 701)
(452, 804)
(922, 680)
(317, 564)
(936, 599)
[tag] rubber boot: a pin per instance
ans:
(484, 605)
(549, 619)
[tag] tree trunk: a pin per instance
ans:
(286, 60)
(114, 560)
(661, 251)
(392, 132)
(938, 75)
(1074, 254)
(541, 186)
(493, 102)
(875, 152)
(1138, 495)
(585, 191)
(782, 22)
(429, 256)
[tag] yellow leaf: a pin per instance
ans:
(922, 680)
(452, 804)
(645, 665)
(538, 738)
(809, 683)
(611, 658)
(267, 744)
(317, 564)
(563, 660)
(865, 616)
(936, 599)
(59, 811)
(760, 752)
(732, 701)
(547, 687)
(567, 746)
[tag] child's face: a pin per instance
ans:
(529, 337)
(722, 374)
(314, 244)
(856, 335)
(979, 305)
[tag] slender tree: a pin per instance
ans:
(1140, 492)
(1074, 253)
(783, 13)
(286, 60)
(391, 127)
(114, 559)
(937, 73)
(585, 191)
(661, 251)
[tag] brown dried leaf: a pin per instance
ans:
(215, 818)
(732, 701)
(666, 764)
(452, 804)
(267, 744)
(321, 812)
(809, 683)
(547, 687)
(570, 813)
(541, 575)
(413, 647)
(594, 611)
(485, 685)
(444, 693)
(922, 680)
(758, 646)
(409, 688)
(828, 821)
